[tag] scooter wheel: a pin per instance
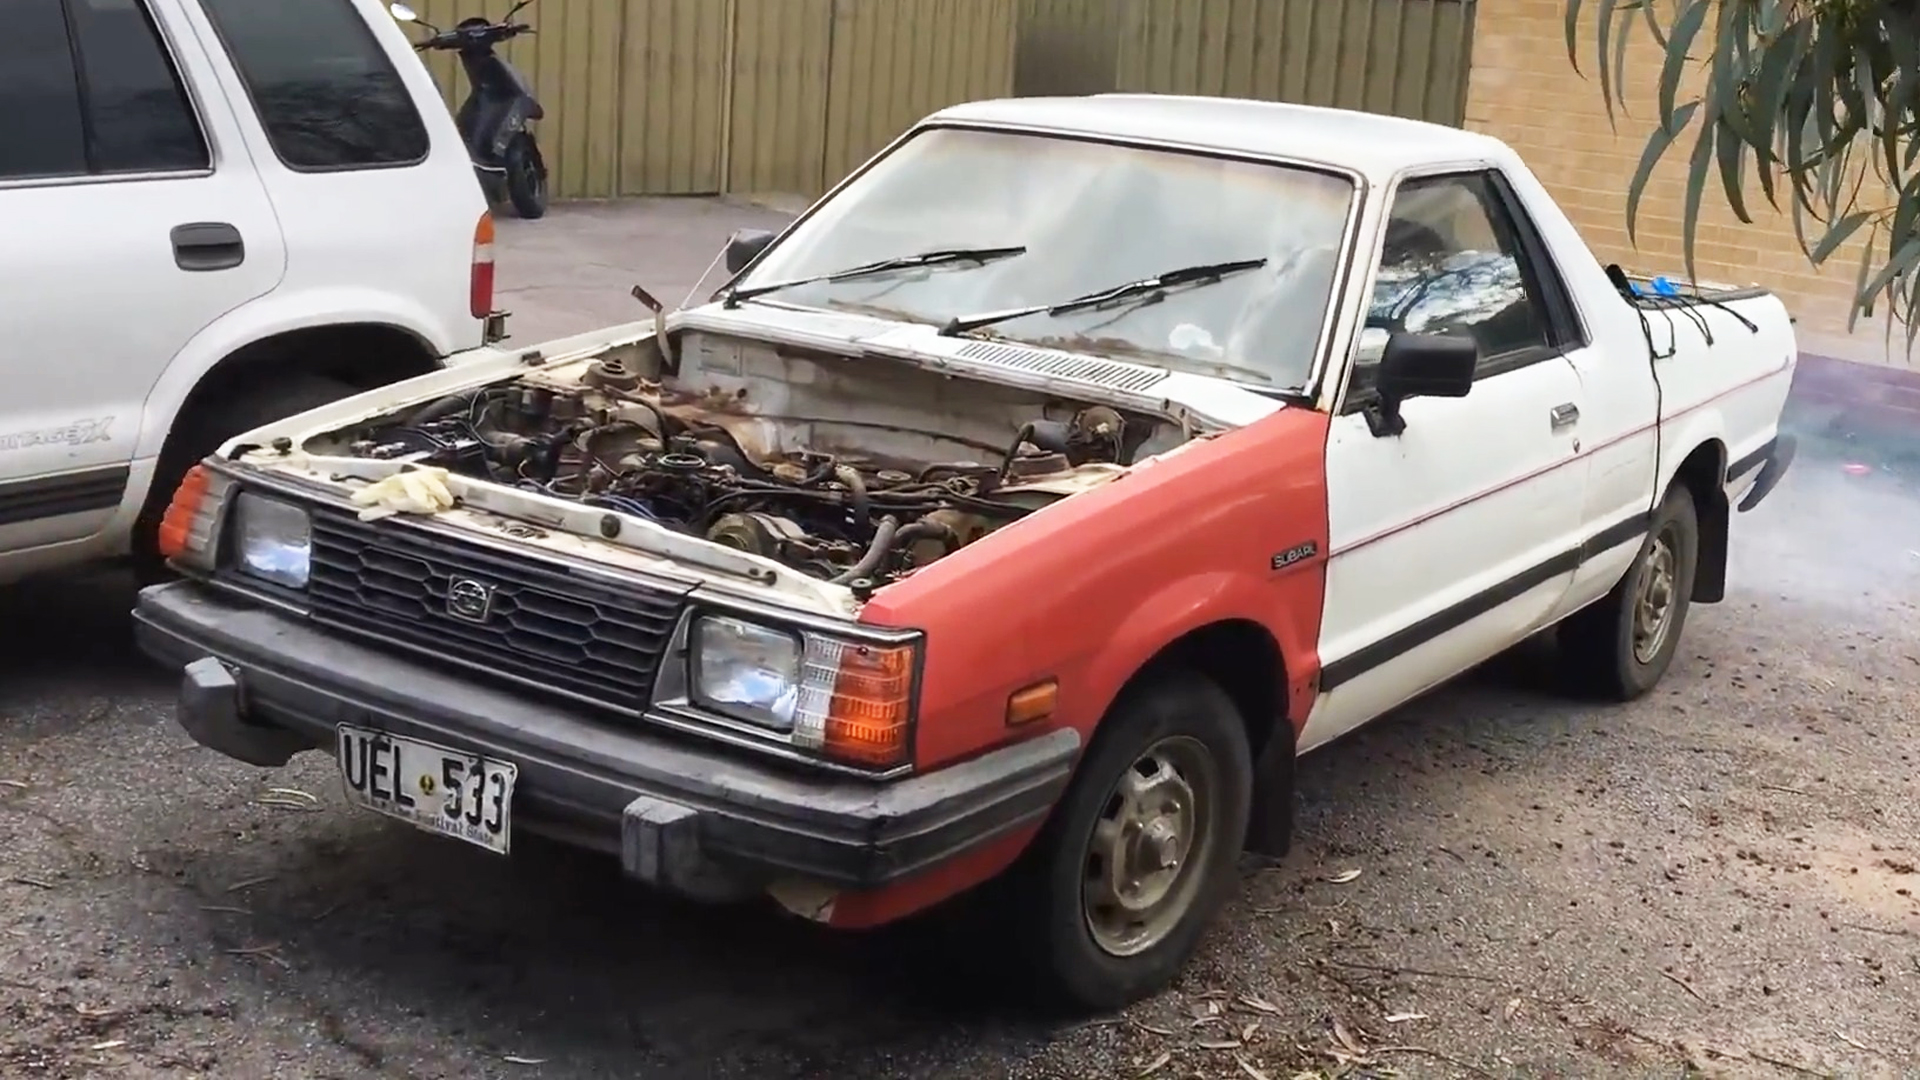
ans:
(526, 177)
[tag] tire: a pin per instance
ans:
(1070, 947)
(229, 411)
(1607, 650)
(526, 177)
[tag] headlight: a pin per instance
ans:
(747, 671)
(272, 540)
(853, 701)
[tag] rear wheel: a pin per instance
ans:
(226, 412)
(1115, 894)
(526, 177)
(1620, 647)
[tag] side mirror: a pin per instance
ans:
(1420, 365)
(402, 13)
(746, 245)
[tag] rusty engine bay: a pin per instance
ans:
(856, 493)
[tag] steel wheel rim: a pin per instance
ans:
(1141, 869)
(1654, 600)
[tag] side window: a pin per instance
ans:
(41, 133)
(138, 116)
(1451, 264)
(321, 84)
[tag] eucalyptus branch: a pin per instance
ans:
(1821, 94)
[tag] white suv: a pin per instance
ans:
(213, 213)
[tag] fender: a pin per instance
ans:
(1090, 588)
(1681, 436)
(1177, 609)
(277, 313)
(519, 112)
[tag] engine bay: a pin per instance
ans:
(855, 471)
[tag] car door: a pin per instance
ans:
(132, 219)
(1451, 539)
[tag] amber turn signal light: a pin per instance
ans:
(1033, 702)
(872, 708)
(176, 527)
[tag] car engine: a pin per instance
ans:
(702, 462)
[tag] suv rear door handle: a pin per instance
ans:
(1564, 415)
(207, 245)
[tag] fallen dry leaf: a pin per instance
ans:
(1247, 1067)
(108, 1045)
(1247, 1033)
(1218, 1044)
(1513, 1008)
(1853, 1042)
(1345, 1037)
(513, 1059)
(1344, 876)
(1151, 1029)
(1401, 1018)
(1156, 1064)
(1259, 1004)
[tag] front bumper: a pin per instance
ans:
(702, 820)
(1772, 460)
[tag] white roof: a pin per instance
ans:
(1369, 143)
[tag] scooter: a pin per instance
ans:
(493, 119)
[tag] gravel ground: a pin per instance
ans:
(1717, 880)
(1720, 875)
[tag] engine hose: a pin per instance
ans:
(438, 409)
(659, 415)
(850, 476)
(927, 530)
(1006, 460)
(876, 553)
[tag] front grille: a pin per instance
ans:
(588, 639)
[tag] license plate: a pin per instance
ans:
(433, 787)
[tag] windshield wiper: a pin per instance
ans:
(902, 262)
(1203, 274)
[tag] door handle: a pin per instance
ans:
(207, 245)
(1564, 415)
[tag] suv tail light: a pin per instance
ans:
(480, 283)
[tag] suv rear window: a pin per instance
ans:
(321, 84)
(41, 133)
(120, 110)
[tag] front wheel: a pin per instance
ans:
(1618, 648)
(1112, 899)
(526, 177)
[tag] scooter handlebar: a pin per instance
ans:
(458, 38)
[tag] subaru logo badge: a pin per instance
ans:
(469, 600)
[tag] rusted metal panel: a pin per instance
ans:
(895, 61)
(1404, 57)
(1066, 47)
(777, 120)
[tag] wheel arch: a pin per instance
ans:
(1245, 660)
(362, 355)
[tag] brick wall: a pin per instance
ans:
(1524, 90)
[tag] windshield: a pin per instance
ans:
(1091, 216)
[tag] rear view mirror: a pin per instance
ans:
(1420, 365)
(746, 245)
(402, 13)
